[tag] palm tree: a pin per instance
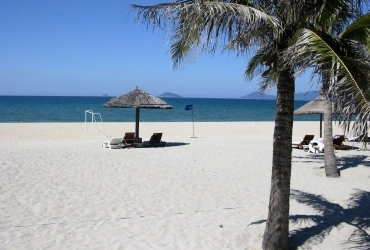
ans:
(265, 27)
(356, 32)
(340, 51)
(359, 30)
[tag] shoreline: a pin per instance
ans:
(61, 189)
(169, 129)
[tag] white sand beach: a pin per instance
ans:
(61, 190)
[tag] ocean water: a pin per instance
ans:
(72, 109)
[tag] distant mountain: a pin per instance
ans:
(168, 94)
(307, 96)
(258, 95)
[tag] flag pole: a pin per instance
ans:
(192, 114)
(190, 107)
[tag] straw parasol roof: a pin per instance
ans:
(137, 99)
(315, 106)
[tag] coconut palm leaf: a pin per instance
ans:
(359, 30)
(245, 42)
(262, 60)
(202, 25)
(263, 64)
(349, 71)
(335, 15)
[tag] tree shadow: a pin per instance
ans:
(329, 216)
(309, 158)
(343, 162)
(353, 161)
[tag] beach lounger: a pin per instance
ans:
(155, 141)
(305, 141)
(128, 139)
(338, 142)
(358, 138)
(113, 144)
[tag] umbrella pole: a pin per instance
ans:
(320, 125)
(137, 122)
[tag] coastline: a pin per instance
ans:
(76, 130)
(61, 189)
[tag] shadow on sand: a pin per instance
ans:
(329, 216)
(168, 144)
(356, 215)
(353, 161)
(343, 162)
(176, 144)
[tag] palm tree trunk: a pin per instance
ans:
(276, 235)
(330, 163)
(329, 155)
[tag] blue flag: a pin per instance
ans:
(189, 107)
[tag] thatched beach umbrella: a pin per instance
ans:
(137, 99)
(313, 107)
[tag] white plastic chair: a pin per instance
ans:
(316, 146)
(113, 144)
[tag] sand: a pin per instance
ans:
(61, 190)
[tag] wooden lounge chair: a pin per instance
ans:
(128, 139)
(338, 142)
(155, 141)
(305, 141)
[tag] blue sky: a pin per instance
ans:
(90, 48)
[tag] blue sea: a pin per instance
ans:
(72, 109)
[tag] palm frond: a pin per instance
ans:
(243, 42)
(260, 62)
(202, 25)
(333, 16)
(359, 30)
(349, 62)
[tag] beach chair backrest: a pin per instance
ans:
(129, 137)
(156, 137)
(115, 141)
(338, 139)
(307, 138)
